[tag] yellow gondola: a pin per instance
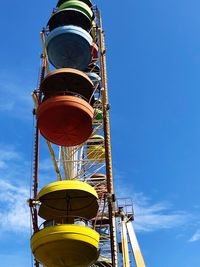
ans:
(69, 198)
(65, 245)
(95, 148)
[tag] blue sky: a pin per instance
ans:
(153, 56)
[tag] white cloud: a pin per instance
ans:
(14, 170)
(14, 211)
(151, 217)
(8, 154)
(46, 165)
(14, 188)
(195, 237)
(15, 98)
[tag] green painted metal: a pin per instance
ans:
(79, 6)
(87, 2)
(69, 16)
(98, 116)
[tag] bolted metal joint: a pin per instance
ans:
(108, 107)
(32, 202)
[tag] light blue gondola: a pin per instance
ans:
(69, 47)
(95, 78)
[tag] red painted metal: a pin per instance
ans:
(65, 120)
(95, 50)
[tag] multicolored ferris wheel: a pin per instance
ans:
(76, 219)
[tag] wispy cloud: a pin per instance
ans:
(14, 188)
(195, 237)
(46, 165)
(14, 170)
(15, 98)
(7, 154)
(14, 212)
(151, 217)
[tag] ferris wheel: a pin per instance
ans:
(76, 219)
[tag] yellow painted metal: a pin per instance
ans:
(44, 51)
(65, 245)
(96, 153)
(135, 246)
(93, 30)
(125, 252)
(68, 198)
(64, 162)
(67, 185)
(55, 163)
(95, 148)
(96, 138)
(103, 261)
